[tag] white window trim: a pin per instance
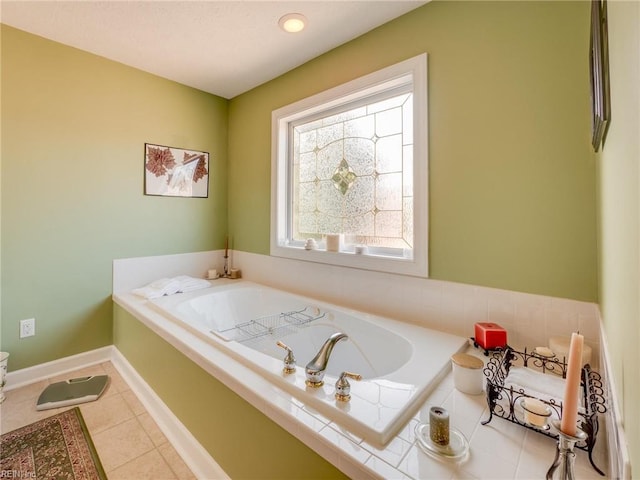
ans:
(418, 264)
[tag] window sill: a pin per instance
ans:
(364, 261)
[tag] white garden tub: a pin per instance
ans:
(400, 363)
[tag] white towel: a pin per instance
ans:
(548, 384)
(163, 286)
(189, 284)
(547, 387)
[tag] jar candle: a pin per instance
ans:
(536, 412)
(467, 373)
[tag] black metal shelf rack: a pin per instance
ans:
(503, 399)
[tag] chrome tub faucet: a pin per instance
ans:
(316, 367)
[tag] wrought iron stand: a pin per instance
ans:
(502, 399)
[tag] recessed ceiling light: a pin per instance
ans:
(293, 22)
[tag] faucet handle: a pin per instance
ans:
(289, 359)
(343, 387)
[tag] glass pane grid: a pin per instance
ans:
(353, 174)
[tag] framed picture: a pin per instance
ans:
(599, 73)
(175, 172)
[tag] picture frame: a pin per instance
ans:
(175, 172)
(599, 74)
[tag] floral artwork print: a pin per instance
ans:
(176, 172)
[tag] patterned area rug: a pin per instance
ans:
(58, 447)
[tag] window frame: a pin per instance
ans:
(371, 84)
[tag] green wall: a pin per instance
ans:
(619, 217)
(242, 440)
(73, 132)
(512, 175)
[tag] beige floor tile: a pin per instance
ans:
(175, 461)
(116, 381)
(121, 444)
(18, 415)
(152, 429)
(150, 466)
(107, 413)
(28, 392)
(132, 400)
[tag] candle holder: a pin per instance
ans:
(503, 399)
(226, 266)
(564, 464)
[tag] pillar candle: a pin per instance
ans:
(333, 243)
(439, 426)
(569, 420)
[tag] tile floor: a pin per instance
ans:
(128, 441)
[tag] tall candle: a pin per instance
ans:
(226, 246)
(572, 387)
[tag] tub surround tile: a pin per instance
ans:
(392, 453)
(452, 307)
(345, 444)
(384, 470)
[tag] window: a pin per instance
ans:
(352, 161)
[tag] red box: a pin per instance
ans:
(490, 335)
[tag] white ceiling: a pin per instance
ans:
(222, 47)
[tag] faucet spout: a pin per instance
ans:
(316, 367)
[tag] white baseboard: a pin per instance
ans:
(25, 376)
(200, 462)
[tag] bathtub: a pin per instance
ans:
(400, 363)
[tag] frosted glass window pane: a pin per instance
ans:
(360, 127)
(307, 141)
(407, 171)
(407, 221)
(389, 224)
(327, 135)
(307, 197)
(329, 223)
(389, 103)
(389, 122)
(308, 224)
(407, 119)
(329, 159)
(360, 225)
(359, 152)
(359, 199)
(389, 154)
(329, 199)
(389, 191)
(345, 116)
(307, 170)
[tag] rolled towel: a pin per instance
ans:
(189, 284)
(158, 288)
(551, 385)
